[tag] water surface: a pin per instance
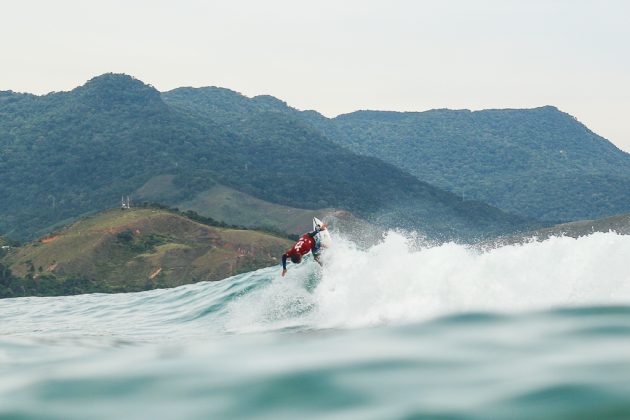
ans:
(397, 330)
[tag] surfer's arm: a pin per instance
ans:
(284, 264)
(316, 231)
(284, 261)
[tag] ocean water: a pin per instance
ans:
(399, 330)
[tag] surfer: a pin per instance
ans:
(307, 242)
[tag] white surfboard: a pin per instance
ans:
(324, 235)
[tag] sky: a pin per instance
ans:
(339, 56)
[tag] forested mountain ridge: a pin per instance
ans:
(70, 153)
(369, 188)
(539, 162)
(64, 154)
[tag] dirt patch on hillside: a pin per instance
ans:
(50, 239)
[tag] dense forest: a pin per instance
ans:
(541, 163)
(71, 153)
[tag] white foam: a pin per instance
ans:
(395, 281)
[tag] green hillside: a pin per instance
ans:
(540, 163)
(132, 250)
(68, 154)
(223, 203)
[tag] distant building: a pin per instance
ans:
(124, 205)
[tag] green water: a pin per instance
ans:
(535, 331)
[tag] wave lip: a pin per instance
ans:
(397, 282)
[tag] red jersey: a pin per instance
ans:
(303, 246)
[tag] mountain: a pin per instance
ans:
(132, 250)
(279, 141)
(540, 163)
(65, 154)
(68, 154)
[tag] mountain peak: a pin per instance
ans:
(115, 88)
(112, 81)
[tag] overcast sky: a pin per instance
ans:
(339, 56)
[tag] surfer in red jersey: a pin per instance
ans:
(307, 242)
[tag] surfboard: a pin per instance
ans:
(324, 235)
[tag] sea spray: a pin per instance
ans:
(397, 281)
(393, 281)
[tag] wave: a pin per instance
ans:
(398, 280)
(459, 346)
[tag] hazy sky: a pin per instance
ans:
(339, 56)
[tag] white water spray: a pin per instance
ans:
(395, 281)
